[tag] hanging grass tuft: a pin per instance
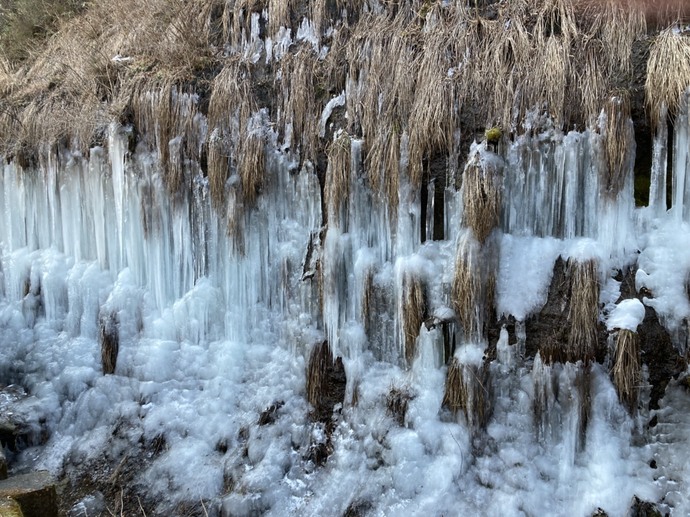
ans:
(627, 371)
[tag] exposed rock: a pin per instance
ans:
(21, 422)
(35, 493)
(549, 330)
(326, 381)
(658, 353)
(640, 508)
(268, 415)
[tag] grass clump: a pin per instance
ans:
(25, 24)
(414, 305)
(584, 311)
(627, 371)
(668, 72)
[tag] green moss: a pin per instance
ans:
(493, 134)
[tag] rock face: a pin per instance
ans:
(35, 493)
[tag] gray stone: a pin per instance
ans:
(35, 493)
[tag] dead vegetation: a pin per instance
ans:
(627, 372)
(417, 75)
(668, 72)
(414, 309)
(474, 283)
(467, 390)
(618, 136)
(481, 197)
(337, 188)
(584, 311)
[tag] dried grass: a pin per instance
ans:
(252, 165)
(414, 308)
(467, 390)
(481, 197)
(618, 135)
(467, 287)
(668, 72)
(278, 15)
(583, 315)
(337, 187)
(231, 106)
(299, 108)
(627, 372)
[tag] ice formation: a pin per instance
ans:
(213, 328)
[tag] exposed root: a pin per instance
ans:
(626, 368)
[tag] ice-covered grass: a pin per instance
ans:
(210, 338)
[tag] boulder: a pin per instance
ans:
(35, 493)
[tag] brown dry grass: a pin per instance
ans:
(467, 390)
(299, 104)
(414, 71)
(668, 72)
(414, 307)
(618, 134)
(584, 311)
(231, 105)
(481, 197)
(466, 292)
(627, 372)
(337, 188)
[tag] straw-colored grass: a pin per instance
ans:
(481, 197)
(338, 172)
(414, 308)
(668, 72)
(466, 291)
(626, 367)
(231, 105)
(467, 390)
(584, 311)
(299, 106)
(278, 15)
(618, 135)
